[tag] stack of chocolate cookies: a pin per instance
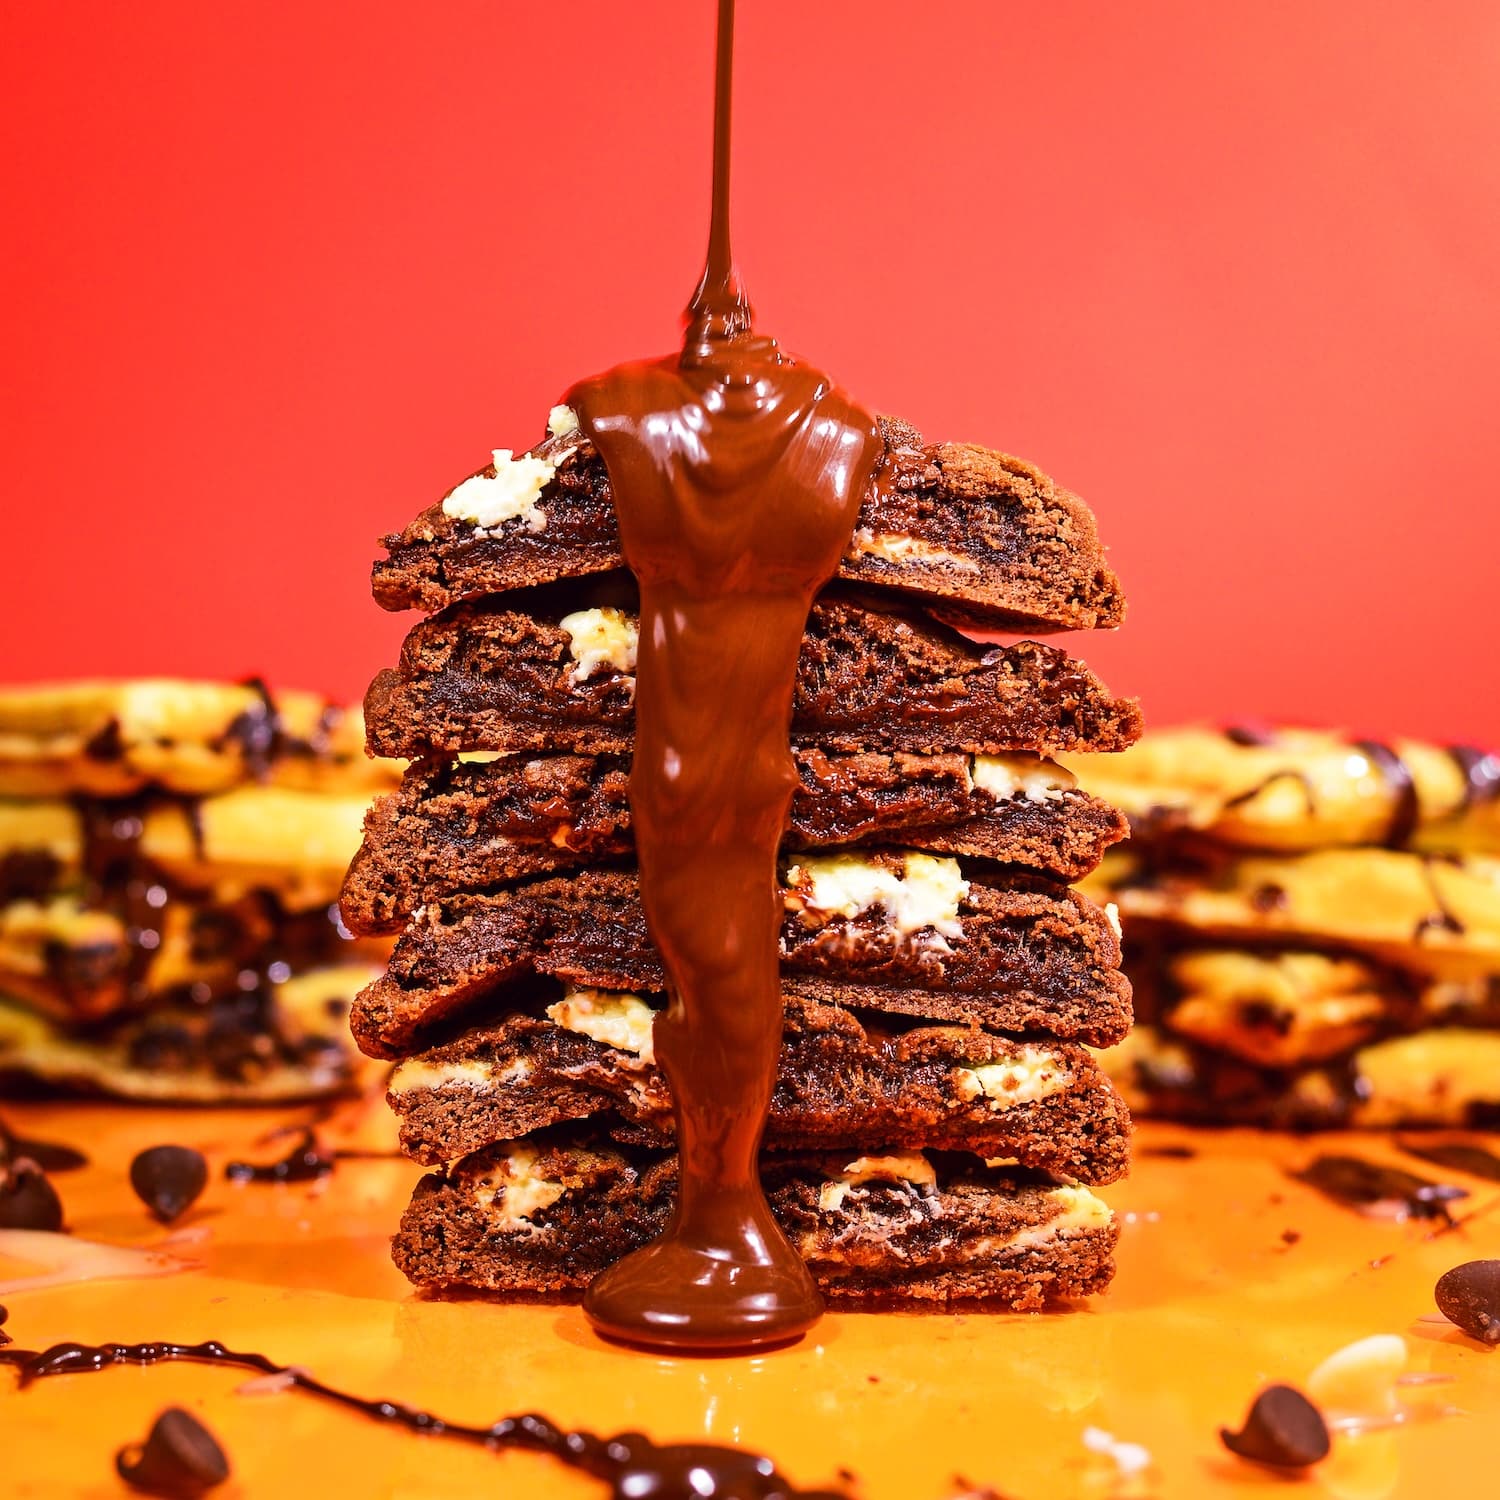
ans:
(1312, 926)
(170, 859)
(938, 1122)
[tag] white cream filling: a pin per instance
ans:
(1030, 776)
(925, 893)
(416, 1074)
(617, 1020)
(514, 1190)
(895, 546)
(1033, 1073)
(562, 420)
(909, 1166)
(600, 638)
(488, 501)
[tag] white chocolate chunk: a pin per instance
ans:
(1030, 776)
(613, 1018)
(514, 1190)
(600, 638)
(1033, 1073)
(895, 546)
(517, 484)
(416, 1074)
(562, 420)
(925, 892)
(909, 1166)
(1080, 1210)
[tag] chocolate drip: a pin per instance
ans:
(631, 1465)
(50, 1156)
(737, 473)
(1406, 810)
(1481, 773)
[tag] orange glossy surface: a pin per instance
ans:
(1210, 1304)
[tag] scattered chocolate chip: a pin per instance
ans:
(4, 1314)
(180, 1458)
(1457, 1156)
(1290, 1236)
(1469, 1297)
(304, 1162)
(1372, 1188)
(168, 1180)
(1283, 1429)
(27, 1199)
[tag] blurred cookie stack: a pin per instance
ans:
(1312, 927)
(937, 1121)
(170, 859)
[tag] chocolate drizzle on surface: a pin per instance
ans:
(50, 1156)
(1457, 1156)
(632, 1465)
(305, 1162)
(737, 473)
(1371, 1188)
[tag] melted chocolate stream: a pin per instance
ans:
(632, 1465)
(737, 474)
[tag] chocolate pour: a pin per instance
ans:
(632, 1465)
(737, 474)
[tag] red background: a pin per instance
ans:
(276, 275)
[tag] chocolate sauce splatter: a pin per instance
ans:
(1169, 1152)
(632, 1465)
(1371, 1188)
(1283, 1430)
(168, 1180)
(1406, 810)
(50, 1156)
(27, 1199)
(1457, 1156)
(180, 1458)
(307, 1160)
(1469, 1297)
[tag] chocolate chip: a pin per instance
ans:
(1469, 1296)
(1290, 1236)
(4, 1337)
(168, 1179)
(27, 1199)
(180, 1458)
(1283, 1430)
